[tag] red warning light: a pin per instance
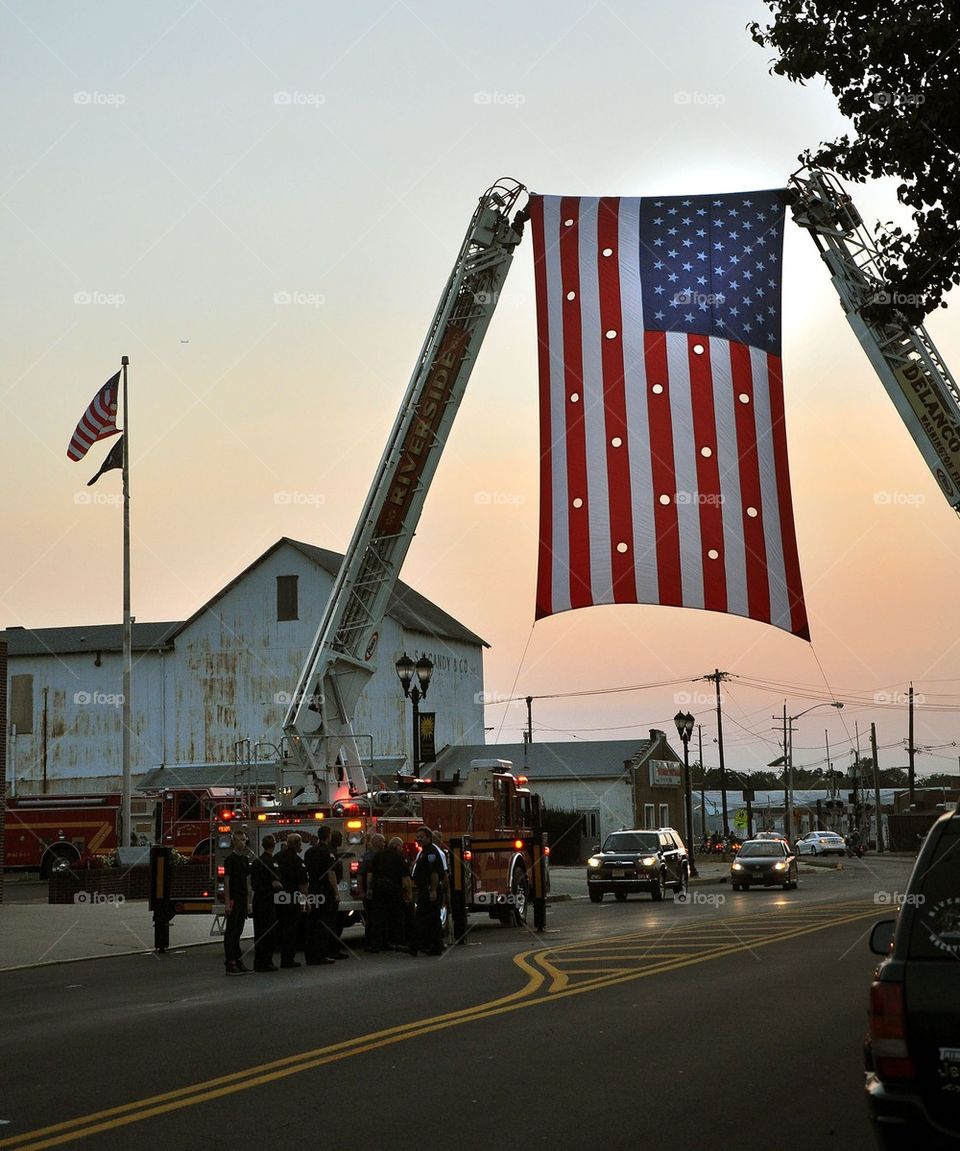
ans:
(518, 844)
(221, 870)
(227, 814)
(521, 781)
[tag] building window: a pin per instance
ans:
(21, 704)
(649, 815)
(287, 606)
(664, 814)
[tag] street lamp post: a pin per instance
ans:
(788, 753)
(423, 669)
(684, 722)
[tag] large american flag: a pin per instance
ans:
(98, 422)
(664, 475)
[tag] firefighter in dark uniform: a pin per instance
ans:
(236, 871)
(293, 876)
(321, 864)
(265, 881)
(428, 871)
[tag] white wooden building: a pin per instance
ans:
(224, 675)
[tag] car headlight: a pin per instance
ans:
(779, 867)
(736, 867)
(649, 861)
(594, 861)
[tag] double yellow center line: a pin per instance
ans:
(552, 973)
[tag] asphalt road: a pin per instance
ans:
(734, 1021)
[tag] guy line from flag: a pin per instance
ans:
(664, 474)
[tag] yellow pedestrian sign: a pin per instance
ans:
(740, 820)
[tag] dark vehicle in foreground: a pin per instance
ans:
(649, 859)
(913, 1045)
(764, 863)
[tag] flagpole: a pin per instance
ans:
(125, 837)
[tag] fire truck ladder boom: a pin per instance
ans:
(903, 355)
(319, 720)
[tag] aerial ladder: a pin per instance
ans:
(903, 354)
(318, 726)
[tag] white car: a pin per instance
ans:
(821, 843)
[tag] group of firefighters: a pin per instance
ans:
(296, 899)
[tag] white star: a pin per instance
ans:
(689, 317)
(658, 290)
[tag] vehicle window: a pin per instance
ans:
(631, 841)
(936, 892)
(188, 806)
(769, 847)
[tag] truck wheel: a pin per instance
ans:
(57, 859)
(620, 896)
(595, 896)
(516, 915)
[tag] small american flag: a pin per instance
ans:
(664, 475)
(98, 422)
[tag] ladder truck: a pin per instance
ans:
(903, 354)
(490, 819)
(318, 727)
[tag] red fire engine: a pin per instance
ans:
(322, 749)
(491, 804)
(49, 832)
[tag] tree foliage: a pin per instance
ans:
(895, 71)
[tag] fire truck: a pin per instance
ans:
(491, 804)
(51, 832)
(322, 761)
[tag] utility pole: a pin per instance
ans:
(529, 719)
(876, 786)
(911, 750)
(787, 780)
(717, 677)
(703, 788)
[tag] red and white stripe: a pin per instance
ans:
(98, 422)
(664, 475)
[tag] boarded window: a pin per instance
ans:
(21, 703)
(287, 606)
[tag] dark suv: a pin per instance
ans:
(644, 860)
(913, 1047)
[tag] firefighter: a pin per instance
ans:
(293, 876)
(236, 870)
(321, 864)
(428, 881)
(265, 880)
(376, 885)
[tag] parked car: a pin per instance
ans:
(765, 862)
(646, 859)
(821, 843)
(913, 1045)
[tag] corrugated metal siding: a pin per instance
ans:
(228, 678)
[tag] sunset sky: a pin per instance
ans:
(260, 205)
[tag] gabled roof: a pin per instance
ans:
(408, 607)
(555, 761)
(98, 637)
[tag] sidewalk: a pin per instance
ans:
(39, 933)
